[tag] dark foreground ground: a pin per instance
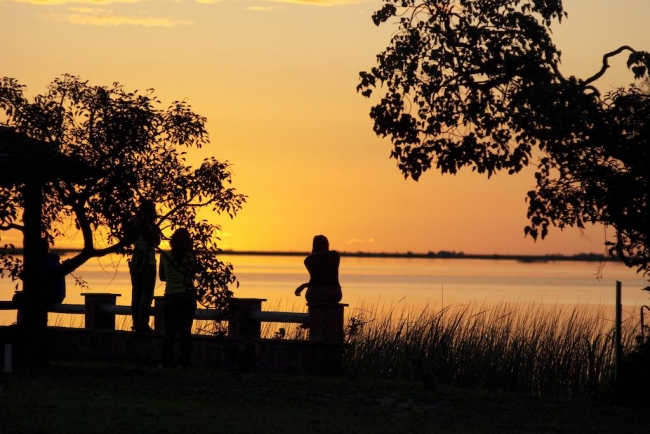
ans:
(110, 398)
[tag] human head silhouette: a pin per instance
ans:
(147, 210)
(181, 241)
(320, 244)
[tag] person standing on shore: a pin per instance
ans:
(177, 270)
(323, 267)
(145, 236)
(47, 288)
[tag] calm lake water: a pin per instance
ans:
(391, 283)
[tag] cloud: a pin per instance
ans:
(326, 3)
(359, 241)
(67, 2)
(83, 10)
(260, 8)
(105, 17)
(88, 12)
(91, 2)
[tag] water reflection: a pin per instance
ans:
(392, 281)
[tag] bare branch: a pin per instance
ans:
(606, 63)
(11, 226)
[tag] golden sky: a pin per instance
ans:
(276, 80)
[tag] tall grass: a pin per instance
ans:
(533, 349)
(541, 349)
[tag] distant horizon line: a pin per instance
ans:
(442, 254)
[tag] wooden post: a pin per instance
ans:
(326, 322)
(7, 361)
(96, 318)
(32, 316)
(618, 340)
(32, 256)
(642, 321)
(240, 323)
(158, 313)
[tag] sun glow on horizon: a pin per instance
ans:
(278, 90)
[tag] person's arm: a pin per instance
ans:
(156, 236)
(301, 288)
(161, 269)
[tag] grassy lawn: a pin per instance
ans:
(121, 398)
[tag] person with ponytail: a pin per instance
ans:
(145, 235)
(177, 270)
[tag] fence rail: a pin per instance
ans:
(244, 316)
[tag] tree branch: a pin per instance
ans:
(84, 226)
(69, 265)
(606, 63)
(12, 226)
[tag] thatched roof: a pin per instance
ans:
(24, 160)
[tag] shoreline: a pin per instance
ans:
(583, 257)
(586, 257)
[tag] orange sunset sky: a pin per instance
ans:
(276, 80)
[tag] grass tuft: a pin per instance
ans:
(538, 350)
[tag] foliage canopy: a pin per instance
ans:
(477, 83)
(127, 149)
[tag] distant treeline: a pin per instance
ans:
(442, 254)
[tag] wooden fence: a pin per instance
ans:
(244, 316)
(242, 349)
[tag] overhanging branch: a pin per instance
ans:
(11, 226)
(69, 265)
(605, 66)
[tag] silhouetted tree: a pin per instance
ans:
(123, 147)
(477, 83)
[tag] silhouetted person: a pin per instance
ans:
(54, 280)
(177, 270)
(145, 236)
(323, 267)
(47, 288)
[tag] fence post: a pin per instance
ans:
(240, 325)
(96, 318)
(618, 339)
(326, 322)
(158, 313)
(8, 362)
